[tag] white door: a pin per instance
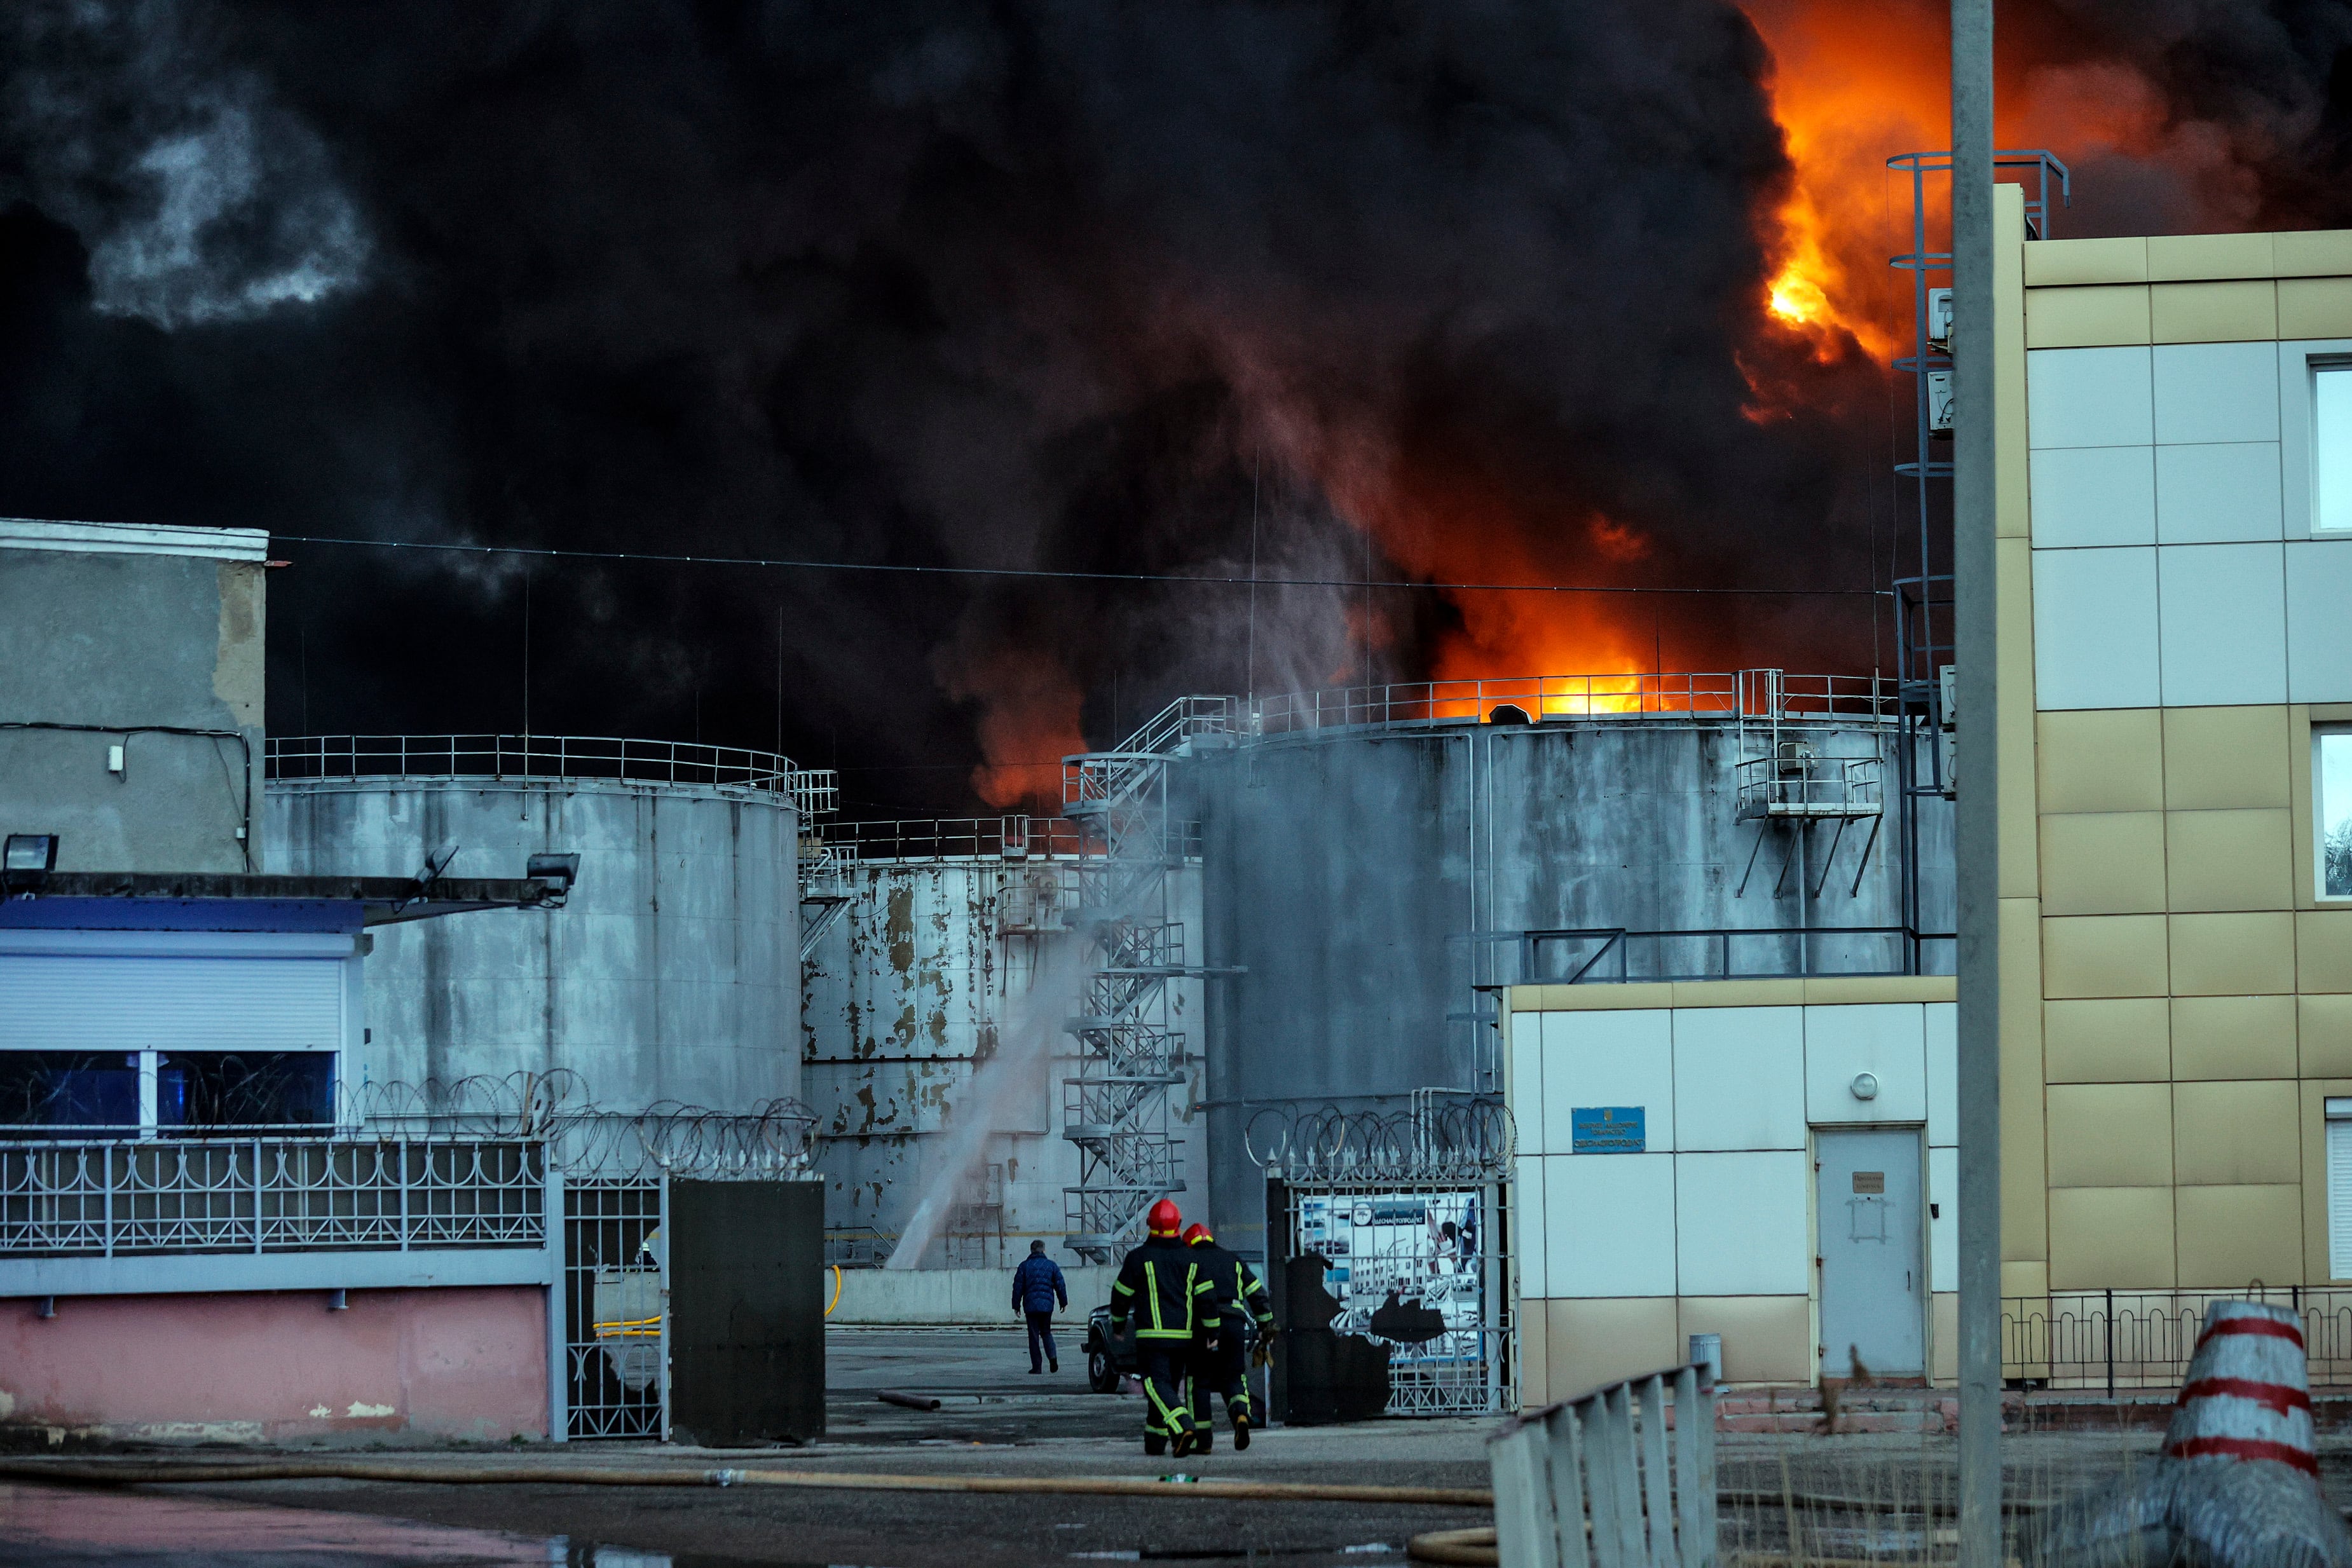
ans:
(1872, 1234)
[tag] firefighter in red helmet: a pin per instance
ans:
(1167, 1292)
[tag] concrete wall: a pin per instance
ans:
(279, 1367)
(904, 999)
(979, 1298)
(671, 974)
(1349, 874)
(131, 629)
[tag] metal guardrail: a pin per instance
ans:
(962, 838)
(1616, 955)
(133, 1197)
(1812, 787)
(1718, 694)
(1592, 1474)
(326, 758)
(2114, 1342)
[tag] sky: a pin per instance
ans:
(1326, 293)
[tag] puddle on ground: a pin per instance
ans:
(72, 1528)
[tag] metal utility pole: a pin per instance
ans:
(1978, 820)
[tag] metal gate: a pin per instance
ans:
(1409, 1218)
(616, 1355)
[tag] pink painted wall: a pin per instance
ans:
(468, 1363)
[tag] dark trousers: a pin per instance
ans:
(1041, 1341)
(1223, 1372)
(1162, 1364)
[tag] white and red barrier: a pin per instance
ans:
(2238, 1481)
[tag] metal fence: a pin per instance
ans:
(1590, 1480)
(1611, 953)
(119, 1198)
(2111, 1341)
(813, 792)
(1412, 1211)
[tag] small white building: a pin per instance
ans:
(1773, 1161)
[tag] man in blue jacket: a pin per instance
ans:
(1036, 1288)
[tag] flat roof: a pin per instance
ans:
(134, 538)
(98, 900)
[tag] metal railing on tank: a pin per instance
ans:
(2113, 1342)
(1537, 698)
(1614, 955)
(328, 757)
(961, 838)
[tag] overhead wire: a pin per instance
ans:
(1212, 580)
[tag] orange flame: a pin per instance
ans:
(1028, 723)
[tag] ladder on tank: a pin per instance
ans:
(1116, 1109)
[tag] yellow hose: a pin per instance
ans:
(150, 1474)
(836, 1291)
(1472, 1548)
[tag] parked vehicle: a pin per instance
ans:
(1112, 1357)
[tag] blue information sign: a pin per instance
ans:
(1607, 1130)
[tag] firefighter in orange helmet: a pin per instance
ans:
(1163, 1288)
(1220, 1348)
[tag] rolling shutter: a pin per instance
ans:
(59, 1001)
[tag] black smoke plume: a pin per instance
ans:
(1150, 288)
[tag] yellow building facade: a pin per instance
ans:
(2175, 523)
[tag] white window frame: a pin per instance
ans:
(2319, 733)
(2314, 365)
(2338, 1135)
(349, 952)
(2300, 362)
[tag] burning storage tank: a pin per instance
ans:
(673, 974)
(1371, 858)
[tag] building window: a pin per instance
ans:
(2331, 795)
(2331, 448)
(49, 1089)
(174, 1094)
(199, 1089)
(2339, 1188)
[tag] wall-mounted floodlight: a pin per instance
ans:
(556, 872)
(27, 860)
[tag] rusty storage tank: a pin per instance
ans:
(671, 975)
(946, 924)
(1371, 857)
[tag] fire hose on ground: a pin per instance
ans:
(151, 1474)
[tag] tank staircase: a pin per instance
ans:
(1116, 1108)
(824, 867)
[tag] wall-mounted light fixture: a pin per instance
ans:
(27, 860)
(1865, 1085)
(556, 872)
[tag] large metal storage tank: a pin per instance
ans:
(904, 996)
(1368, 865)
(672, 974)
